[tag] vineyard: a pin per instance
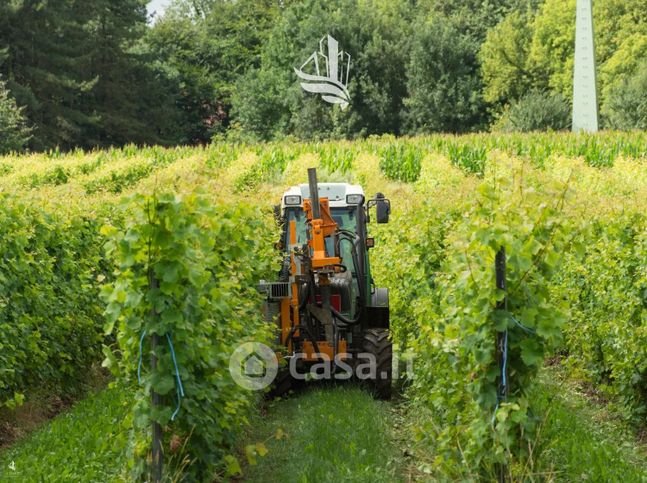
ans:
(111, 256)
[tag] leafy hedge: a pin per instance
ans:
(606, 287)
(584, 299)
(49, 310)
(50, 317)
(272, 162)
(454, 318)
(536, 111)
(119, 180)
(186, 271)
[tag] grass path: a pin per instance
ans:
(584, 439)
(85, 443)
(326, 435)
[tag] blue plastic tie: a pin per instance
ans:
(141, 350)
(180, 388)
(178, 385)
(505, 360)
(525, 328)
(504, 381)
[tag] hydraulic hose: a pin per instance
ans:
(354, 241)
(304, 302)
(354, 321)
(307, 331)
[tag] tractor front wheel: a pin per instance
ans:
(377, 343)
(281, 385)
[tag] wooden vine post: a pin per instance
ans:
(157, 453)
(501, 343)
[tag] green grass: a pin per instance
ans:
(332, 435)
(583, 440)
(85, 444)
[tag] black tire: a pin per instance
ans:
(281, 385)
(377, 342)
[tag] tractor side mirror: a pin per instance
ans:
(382, 208)
(382, 211)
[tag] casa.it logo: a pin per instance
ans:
(333, 85)
(253, 366)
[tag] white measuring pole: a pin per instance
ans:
(585, 96)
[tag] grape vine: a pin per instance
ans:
(205, 262)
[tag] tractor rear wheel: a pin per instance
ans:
(377, 343)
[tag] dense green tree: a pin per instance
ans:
(553, 44)
(443, 82)
(78, 68)
(621, 41)
(626, 106)
(14, 132)
(375, 34)
(506, 72)
(259, 104)
(535, 49)
(45, 49)
(209, 44)
(94, 73)
(476, 17)
(130, 98)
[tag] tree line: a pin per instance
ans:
(95, 73)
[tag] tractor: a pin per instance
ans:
(325, 306)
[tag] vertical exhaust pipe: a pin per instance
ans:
(314, 193)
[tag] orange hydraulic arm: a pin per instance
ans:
(321, 228)
(322, 225)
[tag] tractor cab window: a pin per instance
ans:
(299, 216)
(345, 218)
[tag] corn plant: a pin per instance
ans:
(468, 158)
(401, 162)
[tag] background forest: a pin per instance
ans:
(95, 73)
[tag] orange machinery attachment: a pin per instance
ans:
(322, 226)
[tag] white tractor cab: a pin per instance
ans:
(347, 208)
(343, 199)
